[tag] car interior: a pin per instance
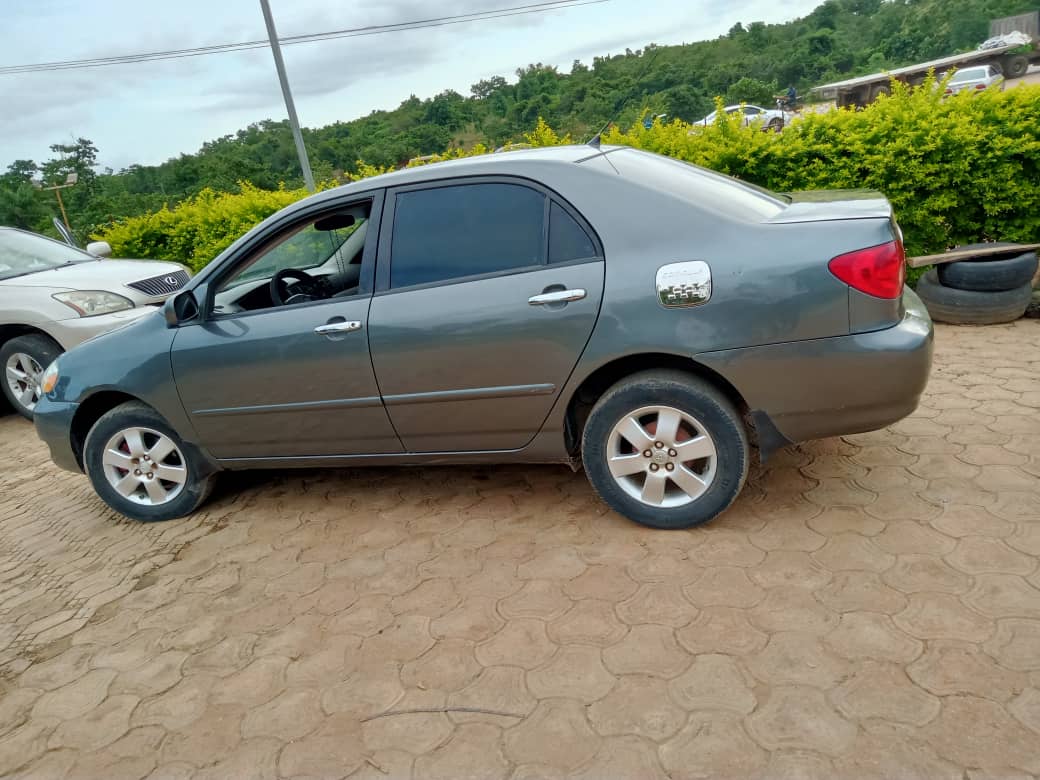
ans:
(313, 262)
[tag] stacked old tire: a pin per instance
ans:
(984, 290)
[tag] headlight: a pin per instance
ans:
(50, 378)
(89, 303)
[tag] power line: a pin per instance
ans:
(354, 32)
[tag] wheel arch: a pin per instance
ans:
(90, 411)
(580, 404)
(13, 330)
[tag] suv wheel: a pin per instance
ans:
(24, 360)
(140, 467)
(666, 449)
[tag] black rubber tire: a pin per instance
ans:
(997, 273)
(692, 395)
(196, 489)
(965, 307)
(40, 348)
(1015, 66)
(775, 126)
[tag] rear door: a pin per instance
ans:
(487, 293)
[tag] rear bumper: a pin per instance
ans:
(53, 421)
(835, 386)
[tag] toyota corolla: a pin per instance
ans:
(657, 323)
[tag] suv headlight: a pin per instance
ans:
(90, 303)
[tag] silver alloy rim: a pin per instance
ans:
(662, 456)
(23, 378)
(144, 466)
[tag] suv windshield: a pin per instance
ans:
(26, 253)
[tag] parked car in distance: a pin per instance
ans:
(597, 306)
(772, 119)
(54, 296)
(975, 79)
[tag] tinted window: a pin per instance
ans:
(450, 232)
(567, 239)
(699, 187)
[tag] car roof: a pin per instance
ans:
(508, 163)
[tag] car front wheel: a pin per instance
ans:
(23, 361)
(666, 449)
(141, 468)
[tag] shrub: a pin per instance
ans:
(957, 170)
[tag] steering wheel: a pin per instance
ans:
(305, 289)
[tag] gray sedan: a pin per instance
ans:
(650, 320)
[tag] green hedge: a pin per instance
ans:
(957, 170)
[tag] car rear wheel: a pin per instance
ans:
(141, 468)
(775, 125)
(24, 359)
(666, 449)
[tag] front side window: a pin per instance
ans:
(464, 230)
(311, 262)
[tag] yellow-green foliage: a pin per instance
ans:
(198, 229)
(957, 170)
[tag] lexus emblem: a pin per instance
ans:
(171, 280)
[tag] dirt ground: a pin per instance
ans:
(870, 607)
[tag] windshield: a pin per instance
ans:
(971, 74)
(26, 253)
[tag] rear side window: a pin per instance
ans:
(697, 186)
(464, 230)
(567, 239)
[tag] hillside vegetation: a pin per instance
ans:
(956, 171)
(750, 63)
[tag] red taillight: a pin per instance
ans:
(980, 86)
(879, 271)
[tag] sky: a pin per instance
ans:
(148, 112)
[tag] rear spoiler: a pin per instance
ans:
(830, 205)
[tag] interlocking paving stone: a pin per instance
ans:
(870, 607)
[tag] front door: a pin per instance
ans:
(488, 294)
(280, 365)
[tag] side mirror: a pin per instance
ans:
(180, 308)
(99, 249)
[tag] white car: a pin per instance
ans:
(975, 79)
(772, 119)
(54, 296)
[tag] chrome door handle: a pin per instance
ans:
(337, 327)
(558, 296)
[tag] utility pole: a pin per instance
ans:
(294, 121)
(70, 181)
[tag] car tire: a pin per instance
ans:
(775, 126)
(1015, 66)
(649, 489)
(126, 452)
(23, 361)
(989, 274)
(967, 307)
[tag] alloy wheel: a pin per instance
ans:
(662, 456)
(144, 466)
(22, 373)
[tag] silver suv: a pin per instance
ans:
(54, 296)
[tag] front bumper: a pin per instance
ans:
(53, 421)
(835, 386)
(73, 332)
